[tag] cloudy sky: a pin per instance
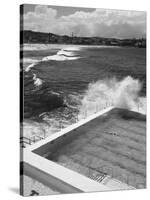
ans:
(84, 21)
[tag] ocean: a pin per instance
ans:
(63, 84)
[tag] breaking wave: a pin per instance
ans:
(29, 67)
(37, 81)
(105, 93)
(62, 55)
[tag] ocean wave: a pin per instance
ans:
(111, 92)
(37, 81)
(29, 67)
(63, 54)
(29, 63)
(40, 100)
(59, 58)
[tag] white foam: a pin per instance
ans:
(29, 67)
(64, 52)
(59, 58)
(31, 61)
(37, 81)
(62, 55)
(105, 93)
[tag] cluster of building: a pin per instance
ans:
(39, 37)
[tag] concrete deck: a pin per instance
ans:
(107, 152)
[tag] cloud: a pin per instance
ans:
(101, 22)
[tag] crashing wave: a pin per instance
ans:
(37, 81)
(59, 58)
(105, 93)
(29, 67)
(62, 55)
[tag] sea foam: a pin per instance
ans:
(62, 55)
(105, 93)
(37, 81)
(29, 67)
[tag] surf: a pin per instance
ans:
(112, 92)
(63, 55)
(37, 81)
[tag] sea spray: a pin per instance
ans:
(37, 81)
(112, 92)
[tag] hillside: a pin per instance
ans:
(28, 36)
